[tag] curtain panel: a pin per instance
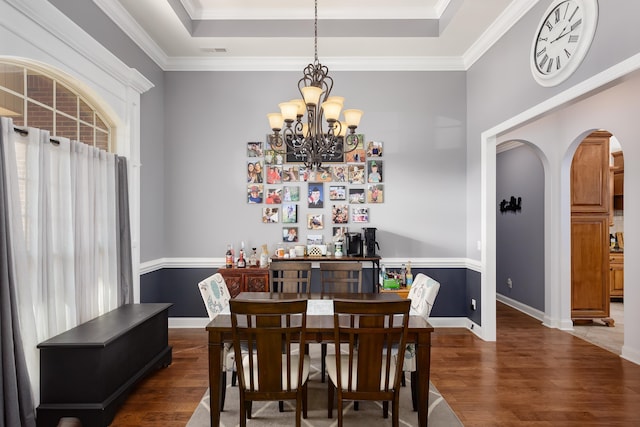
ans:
(70, 235)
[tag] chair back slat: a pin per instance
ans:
(290, 276)
(341, 277)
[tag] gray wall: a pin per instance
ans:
(210, 117)
(520, 235)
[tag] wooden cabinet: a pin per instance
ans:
(245, 279)
(616, 275)
(618, 180)
(590, 211)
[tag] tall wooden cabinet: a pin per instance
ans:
(245, 280)
(590, 207)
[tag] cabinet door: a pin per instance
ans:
(590, 175)
(234, 281)
(616, 275)
(589, 266)
(257, 281)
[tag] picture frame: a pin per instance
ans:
(340, 233)
(290, 173)
(291, 193)
(315, 221)
(270, 215)
(315, 195)
(340, 214)
(360, 214)
(292, 157)
(290, 234)
(375, 193)
(357, 155)
(289, 213)
(315, 239)
(337, 192)
(273, 196)
(374, 171)
(356, 173)
(339, 173)
(374, 149)
(255, 193)
(254, 149)
(357, 196)
(274, 174)
(254, 172)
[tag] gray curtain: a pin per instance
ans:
(125, 269)
(15, 390)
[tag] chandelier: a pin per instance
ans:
(306, 139)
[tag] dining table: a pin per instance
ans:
(319, 328)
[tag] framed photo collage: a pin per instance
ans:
(335, 195)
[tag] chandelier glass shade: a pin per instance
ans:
(309, 139)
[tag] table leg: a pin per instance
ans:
(215, 350)
(423, 353)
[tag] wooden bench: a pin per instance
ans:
(88, 371)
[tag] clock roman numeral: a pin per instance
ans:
(566, 52)
(573, 38)
(544, 49)
(576, 24)
(550, 65)
(557, 13)
(558, 62)
(544, 60)
(573, 14)
(549, 25)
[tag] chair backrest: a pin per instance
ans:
(290, 276)
(373, 329)
(215, 294)
(269, 333)
(341, 277)
(423, 293)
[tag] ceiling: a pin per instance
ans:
(279, 34)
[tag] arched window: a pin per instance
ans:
(35, 98)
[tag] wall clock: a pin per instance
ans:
(562, 40)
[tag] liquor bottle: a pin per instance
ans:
(264, 257)
(409, 275)
(228, 263)
(242, 263)
(253, 259)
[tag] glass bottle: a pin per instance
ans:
(228, 259)
(242, 263)
(253, 259)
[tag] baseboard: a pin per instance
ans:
(530, 311)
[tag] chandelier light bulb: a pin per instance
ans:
(311, 95)
(275, 121)
(352, 117)
(302, 107)
(331, 110)
(289, 110)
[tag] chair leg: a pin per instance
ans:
(234, 378)
(414, 390)
(243, 411)
(223, 389)
(395, 416)
(249, 404)
(323, 363)
(403, 380)
(385, 409)
(356, 405)
(304, 400)
(330, 400)
(280, 406)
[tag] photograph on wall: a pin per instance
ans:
(315, 195)
(339, 233)
(291, 193)
(374, 149)
(315, 221)
(270, 215)
(339, 173)
(356, 174)
(360, 214)
(323, 174)
(337, 192)
(289, 213)
(356, 195)
(290, 234)
(374, 171)
(290, 173)
(271, 157)
(304, 173)
(375, 193)
(274, 196)
(254, 149)
(254, 193)
(293, 157)
(271, 144)
(315, 239)
(357, 155)
(340, 214)
(254, 172)
(274, 174)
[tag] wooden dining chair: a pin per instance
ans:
(274, 367)
(371, 329)
(290, 276)
(216, 297)
(338, 277)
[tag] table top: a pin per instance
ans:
(328, 258)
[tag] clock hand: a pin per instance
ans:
(562, 34)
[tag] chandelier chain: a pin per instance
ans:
(315, 29)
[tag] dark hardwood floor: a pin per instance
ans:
(531, 376)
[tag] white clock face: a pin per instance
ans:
(562, 40)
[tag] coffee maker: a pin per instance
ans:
(370, 244)
(354, 244)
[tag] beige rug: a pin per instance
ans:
(369, 413)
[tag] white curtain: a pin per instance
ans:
(66, 250)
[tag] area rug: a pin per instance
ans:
(369, 413)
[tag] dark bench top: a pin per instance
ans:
(102, 330)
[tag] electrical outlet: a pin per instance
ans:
(473, 304)
(510, 283)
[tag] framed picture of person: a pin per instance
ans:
(274, 196)
(290, 234)
(315, 239)
(339, 173)
(323, 174)
(340, 214)
(315, 195)
(289, 213)
(254, 149)
(356, 195)
(254, 172)
(315, 221)
(356, 173)
(374, 171)
(339, 233)
(291, 193)
(374, 149)
(274, 174)
(337, 192)
(375, 193)
(360, 214)
(255, 193)
(357, 155)
(290, 173)
(270, 215)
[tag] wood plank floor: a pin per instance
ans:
(531, 376)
